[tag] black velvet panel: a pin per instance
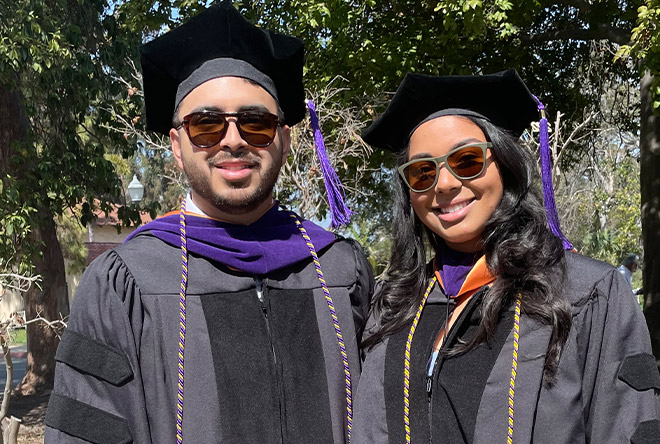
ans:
(460, 380)
(647, 432)
(432, 319)
(245, 371)
(301, 363)
(640, 372)
(86, 422)
(93, 357)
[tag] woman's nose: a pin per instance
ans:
(446, 181)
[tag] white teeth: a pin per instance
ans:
(453, 208)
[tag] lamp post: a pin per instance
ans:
(135, 190)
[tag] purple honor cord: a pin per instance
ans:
(335, 322)
(182, 322)
(407, 359)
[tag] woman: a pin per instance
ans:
(503, 336)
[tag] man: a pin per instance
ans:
(218, 323)
(629, 266)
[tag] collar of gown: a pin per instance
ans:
(460, 273)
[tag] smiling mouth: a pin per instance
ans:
(454, 208)
(235, 167)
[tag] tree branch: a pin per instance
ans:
(581, 5)
(18, 282)
(601, 31)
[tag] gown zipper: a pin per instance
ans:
(259, 288)
(436, 361)
(259, 284)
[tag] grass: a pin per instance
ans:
(18, 336)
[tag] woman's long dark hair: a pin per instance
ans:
(521, 251)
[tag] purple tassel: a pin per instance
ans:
(546, 178)
(341, 214)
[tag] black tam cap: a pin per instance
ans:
(501, 98)
(220, 42)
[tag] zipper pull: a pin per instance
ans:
(259, 284)
(430, 366)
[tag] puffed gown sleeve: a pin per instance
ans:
(363, 289)
(621, 383)
(99, 395)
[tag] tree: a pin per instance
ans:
(54, 59)
(646, 48)
(598, 196)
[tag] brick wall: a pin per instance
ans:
(95, 249)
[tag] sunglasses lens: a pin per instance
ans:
(467, 162)
(209, 128)
(206, 129)
(258, 129)
(421, 175)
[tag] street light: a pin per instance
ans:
(135, 190)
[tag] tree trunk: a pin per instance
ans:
(9, 380)
(10, 428)
(52, 300)
(650, 191)
(13, 124)
(51, 303)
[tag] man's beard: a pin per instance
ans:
(227, 203)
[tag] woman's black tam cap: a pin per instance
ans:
(215, 43)
(501, 98)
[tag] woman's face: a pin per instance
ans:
(455, 209)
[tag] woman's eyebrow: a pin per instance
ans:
(463, 142)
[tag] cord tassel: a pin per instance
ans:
(341, 214)
(546, 178)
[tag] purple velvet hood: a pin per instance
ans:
(271, 243)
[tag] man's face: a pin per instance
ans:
(231, 180)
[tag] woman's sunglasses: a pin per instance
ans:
(208, 128)
(464, 162)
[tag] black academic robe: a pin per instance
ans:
(256, 371)
(605, 389)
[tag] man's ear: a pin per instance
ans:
(286, 142)
(175, 140)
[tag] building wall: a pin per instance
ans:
(101, 239)
(12, 301)
(108, 234)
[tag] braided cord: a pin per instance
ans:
(335, 321)
(182, 322)
(406, 369)
(514, 367)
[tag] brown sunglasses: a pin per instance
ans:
(207, 128)
(465, 162)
